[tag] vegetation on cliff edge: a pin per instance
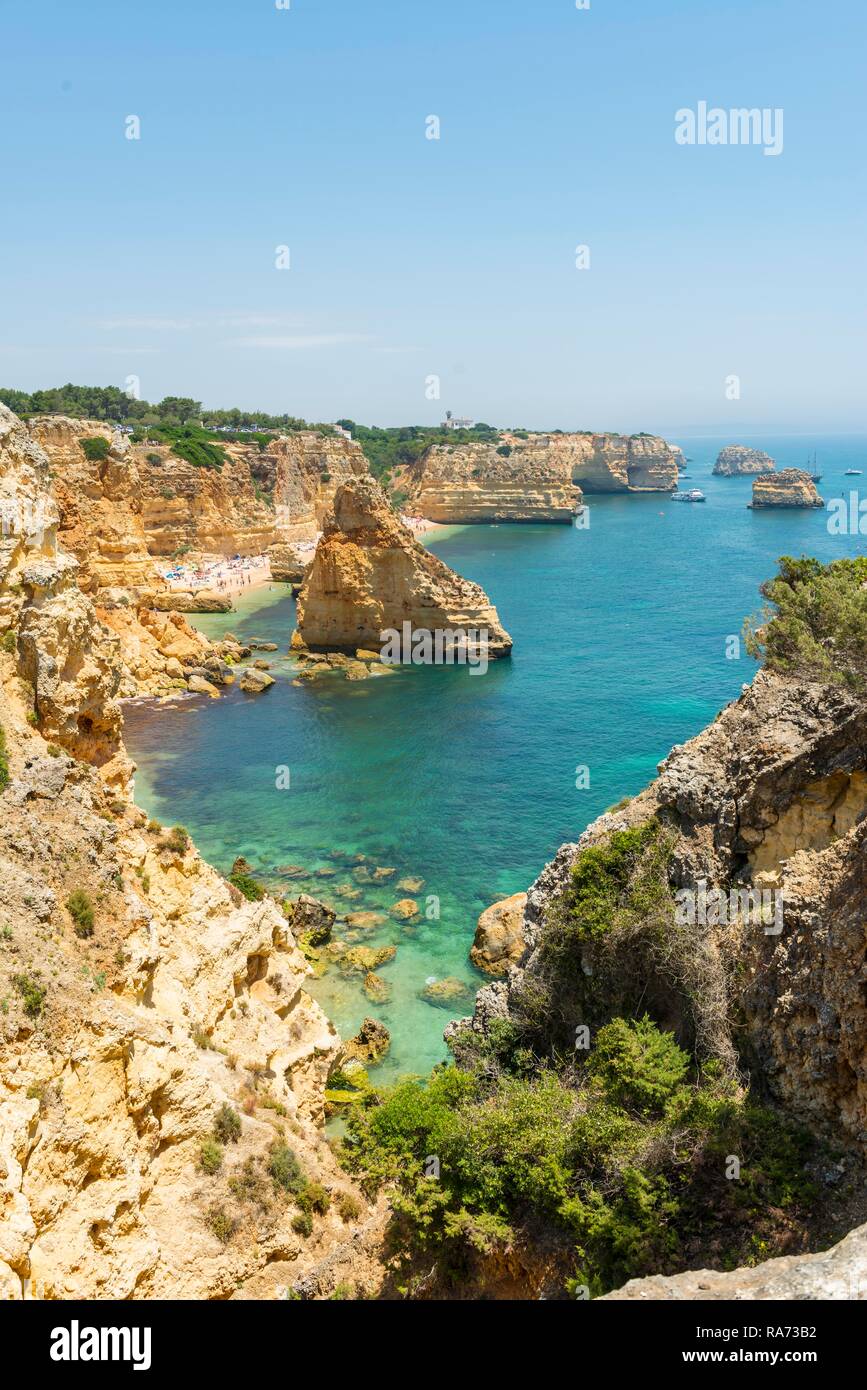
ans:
(819, 628)
(580, 1124)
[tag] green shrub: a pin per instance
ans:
(639, 1067)
(32, 994)
(249, 886)
(348, 1206)
(220, 1224)
(227, 1125)
(95, 448)
(624, 1163)
(250, 1185)
(9, 642)
(819, 629)
(314, 1198)
(211, 1157)
(177, 840)
(79, 905)
(302, 1223)
(154, 459)
(286, 1172)
(607, 882)
(4, 762)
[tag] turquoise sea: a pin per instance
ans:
(469, 782)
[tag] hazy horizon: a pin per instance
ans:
(412, 258)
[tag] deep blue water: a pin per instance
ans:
(469, 781)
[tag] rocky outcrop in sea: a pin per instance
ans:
(370, 575)
(738, 459)
(791, 487)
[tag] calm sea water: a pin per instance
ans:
(469, 782)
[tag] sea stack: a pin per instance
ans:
(791, 487)
(370, 574)
(739, 459)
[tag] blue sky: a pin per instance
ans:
(412, 257)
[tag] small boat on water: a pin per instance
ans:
(812, 469)
(693, 495)
(853, 472)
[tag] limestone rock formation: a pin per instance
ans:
(540, 477)
(835, 1274)
(791, 487)
(737, 459)
(478, 483)
(499, 940)
(143, 995)
(370, 574)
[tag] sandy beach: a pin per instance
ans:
(222, 576)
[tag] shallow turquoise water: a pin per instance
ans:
(469, 781)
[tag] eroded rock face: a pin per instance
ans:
(791, 487)
(838, 1273)
(538, 478)
(738, 459)
(477, 483)
(370, 574)
(123, 1036)
(772, 794)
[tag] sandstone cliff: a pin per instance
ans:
(738, 459)
(124, 517)
(148, 503)
(142, 996)
(792, 487)
(370, 573)
(477, 483)
(537, 478)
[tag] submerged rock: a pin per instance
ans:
(446, 992)
(367, 958)
(377, 990)
(365, 921)
(411, 885)
(404, 910)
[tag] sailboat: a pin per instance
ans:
(812, 469)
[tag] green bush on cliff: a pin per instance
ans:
(638, 1067)
(95, 448)
(32, 994)
(619, 1164)
(819, 629)
(4, 762)
(211, 1157)
(79, 905)
(252, 890)
(227, 1125)
(621, 880)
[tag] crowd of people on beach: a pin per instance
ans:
(223, 576)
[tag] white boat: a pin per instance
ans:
(694, 495)
(853, 472)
